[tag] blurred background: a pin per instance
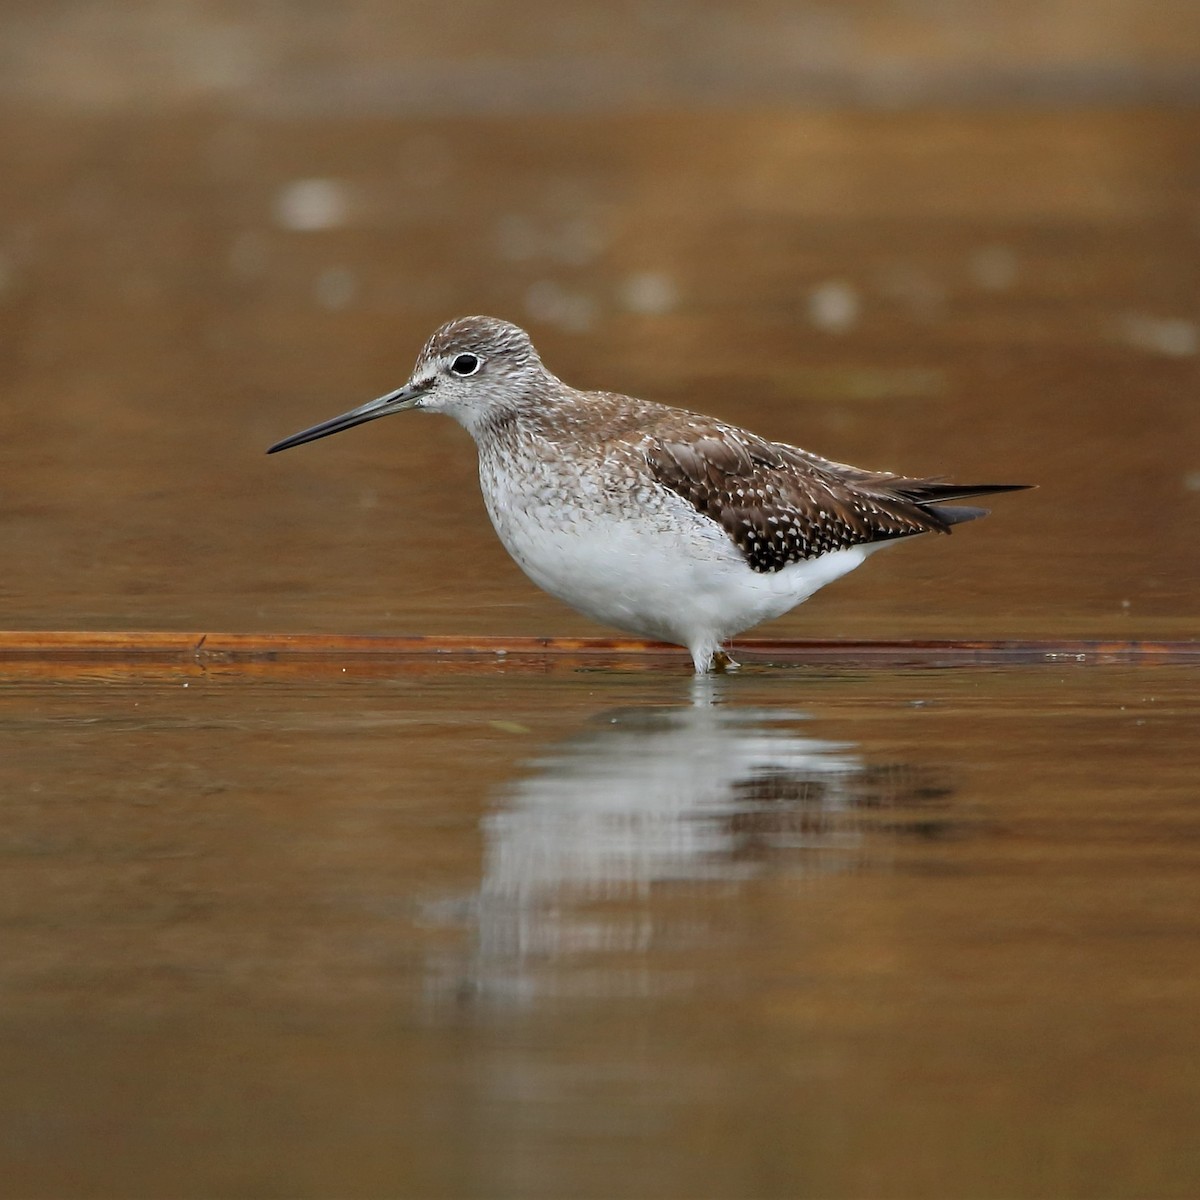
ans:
(446, 929)
(928, 237)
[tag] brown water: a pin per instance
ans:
(992, 297)
(597, 933)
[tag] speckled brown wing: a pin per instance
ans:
(780, 504)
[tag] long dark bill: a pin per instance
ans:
(397, 401)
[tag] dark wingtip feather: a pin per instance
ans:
(934, 491)
(955, 514)
(987, 489)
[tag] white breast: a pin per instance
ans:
(628, 552)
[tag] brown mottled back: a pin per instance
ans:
(781, 505)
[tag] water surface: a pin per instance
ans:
(596, 932)
(991, 297)
(790, 932)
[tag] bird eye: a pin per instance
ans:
(465, 364)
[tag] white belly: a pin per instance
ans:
(658, 569)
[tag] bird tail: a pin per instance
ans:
(930, 496)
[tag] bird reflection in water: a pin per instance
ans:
(580, 851)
